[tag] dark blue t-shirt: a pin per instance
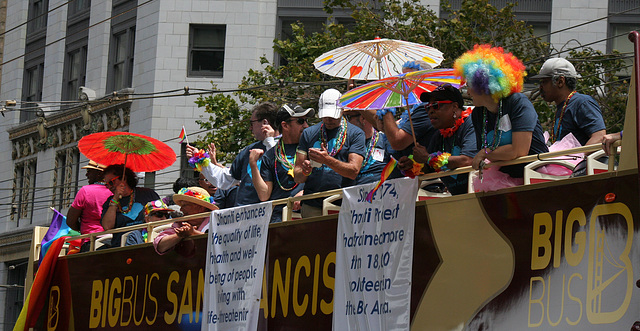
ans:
(324, 178)
(462, 142)
(518, 115)
(422, 127)
(375, 160)
(225, 198)
(142, 195)
(283, 184)
(241, 170)
(582, 117)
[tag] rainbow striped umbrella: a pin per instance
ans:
(397, 91)
(374, 59)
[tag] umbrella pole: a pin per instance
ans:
(413, 132)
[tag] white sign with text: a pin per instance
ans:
(374, 253)
(235, 263)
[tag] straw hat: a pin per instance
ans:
(94, 165)
(196, 195)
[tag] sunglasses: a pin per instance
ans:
(111, 183)
(436, 105)
(300, 120)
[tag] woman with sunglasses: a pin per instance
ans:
(453, 145)
(505, 122)
(126, 206)
(153, 211)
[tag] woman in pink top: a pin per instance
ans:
(86, 210)
(192, 201)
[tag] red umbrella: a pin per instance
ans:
(137, 152)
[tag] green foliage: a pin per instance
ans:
(227, 123)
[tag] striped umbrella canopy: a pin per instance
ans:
(397, 91)
(375, 59)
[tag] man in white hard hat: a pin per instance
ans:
(329, 154)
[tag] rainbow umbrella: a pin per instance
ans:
(398, 91)
(374, 59)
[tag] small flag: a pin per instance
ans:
(183, 135)
(386, 172)
(57, 229)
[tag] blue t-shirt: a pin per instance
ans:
(133, 216)
(462, 142)
(582, 117)
(375, 160)
(241, 170)
(421, 125)
(283, 185)
(518, 115)
(225, 198)
(324, 178)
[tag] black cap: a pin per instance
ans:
(291, 110)
(444, 93)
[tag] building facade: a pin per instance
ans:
(123, 51)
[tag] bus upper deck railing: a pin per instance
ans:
(290, 201)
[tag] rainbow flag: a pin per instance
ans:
(386, 172)
(183, 135)
(57, 229)
(39, 292)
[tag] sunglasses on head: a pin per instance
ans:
(436, 105)
(300, 120)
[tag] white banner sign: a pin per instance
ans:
(374, 252)
(235, 263)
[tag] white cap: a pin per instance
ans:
(557, 67)
(328, 104)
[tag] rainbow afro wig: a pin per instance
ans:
(489, 70)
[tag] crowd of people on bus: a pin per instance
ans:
(291, 158)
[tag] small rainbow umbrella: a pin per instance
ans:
(137, 152)
(398, 91)
(374, 59)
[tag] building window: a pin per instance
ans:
(206, 50)
(32, 88)
(122, 50)
(78, 6)
(14, 292)
(65, 179)
(75, 69)
(23, 186)
(620, 42)
(37, 15)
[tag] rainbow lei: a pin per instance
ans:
(341, 137)
(448, 132)
(438, 161)
(554, 133)
(372, 147)
(281, 157)
(188, 192)
(416, 170)
(199, 160)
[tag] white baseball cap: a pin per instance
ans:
(328, 104)
(557, 66)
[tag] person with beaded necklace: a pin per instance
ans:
(329, 154)
(86, 210)
(505, 122)
(577, 114)
(126, 206)
(378, 150)
(454, 144)
(274, 179)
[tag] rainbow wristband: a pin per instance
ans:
(438, 161)
(199, 160)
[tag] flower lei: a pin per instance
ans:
(557, 122)
(497, 134)
(416, 170)
(448, 132)
(372, 147)
(199, 160)
(438, 161)
(281, 157)
(341, 137)
(188, 192)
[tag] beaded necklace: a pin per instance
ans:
(128, 208)
(341, 137)
(372, 147)
(497, 134)
(558, 123)
(281, 157)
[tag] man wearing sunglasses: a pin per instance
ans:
(330, 153)
(263, 129)
(153, 211)
(454, 143)
(274, 179)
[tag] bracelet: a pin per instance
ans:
(113, 202)
(199, 160)
(438, 161)
(308, 173)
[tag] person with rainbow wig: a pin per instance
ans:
(505, 122)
